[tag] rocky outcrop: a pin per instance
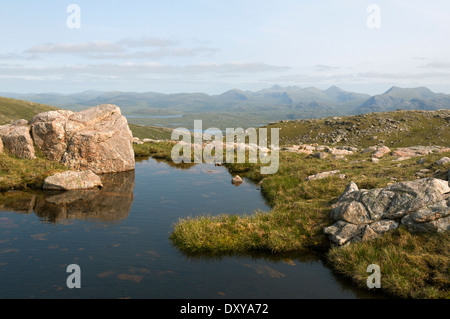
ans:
(413, 151)
(381, 151)
(312, 148)
(443, 161)
(16, 139)
(377, 151)
(421, 205)
(72, 180)
(96, 139)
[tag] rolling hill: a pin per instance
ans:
(420, 98)
(12, 110)
(291, 102)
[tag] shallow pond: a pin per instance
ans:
(119, 236)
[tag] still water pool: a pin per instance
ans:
(119, 236)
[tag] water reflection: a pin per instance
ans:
(111, 203)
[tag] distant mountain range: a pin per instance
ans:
(285, 102)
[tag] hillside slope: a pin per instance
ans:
(12, 110)
(393, 129)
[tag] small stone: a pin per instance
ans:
(237, 180)
(384, 225)
(72, 180)
(443, 161)
(369, 234)
(322, 175)
(343, 232)
(320, 155)
(421, 161)
(381, 151)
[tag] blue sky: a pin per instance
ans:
(212, 46)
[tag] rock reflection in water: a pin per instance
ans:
(111, 203)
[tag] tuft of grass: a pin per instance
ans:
(412, 265)
(20, 174)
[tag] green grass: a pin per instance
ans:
(12, 110)
(412, 265)
(151, 132)
(21, 174)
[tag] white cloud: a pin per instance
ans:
(148, 42)
(133, 70)
(76, 48)
(436, 65)
(128, 48)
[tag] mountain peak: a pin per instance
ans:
(276, 87)
(418, 90)
(334, 88)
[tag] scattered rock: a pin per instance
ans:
(371, 149)
(322, 175)
(351, 187)
(414, 151)
(342, 232)
(320, 155)
(400, 159)
(339, 157)
(368, 234)
(377, 151)
(443, 161)
(72, 180)
(337, 151)
(421, 205)
(384, 225)
(381, 151)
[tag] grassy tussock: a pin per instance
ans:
(412, 265)
(21, 174)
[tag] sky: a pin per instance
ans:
(212, 46)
